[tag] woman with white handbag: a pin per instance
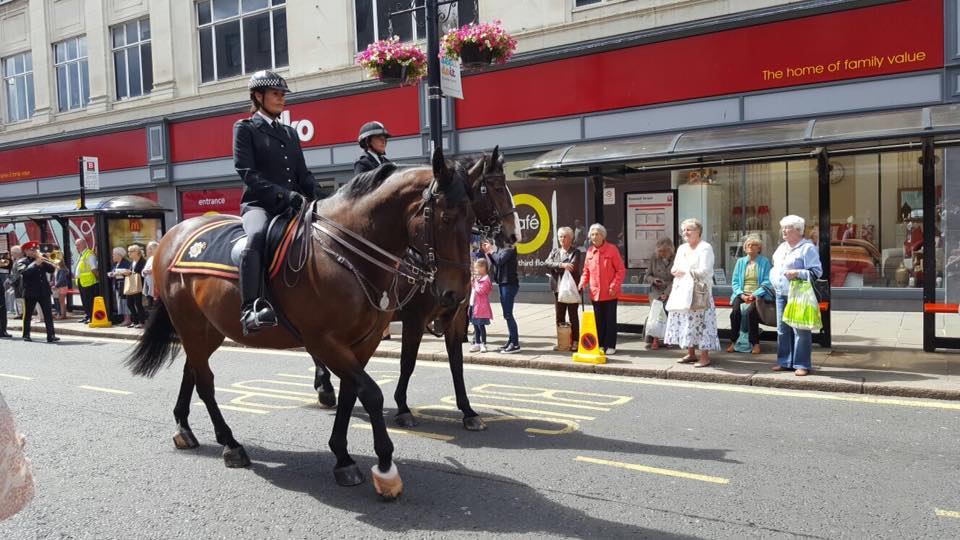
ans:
(566, 260)
(692, 318)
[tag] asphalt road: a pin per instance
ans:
(566, 455)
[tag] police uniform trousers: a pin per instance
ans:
(43, 303)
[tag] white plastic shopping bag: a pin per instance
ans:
(656, 325)
(567, 291)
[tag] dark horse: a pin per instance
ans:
(341, 301)
(492, 205)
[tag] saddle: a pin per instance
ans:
(214, 249)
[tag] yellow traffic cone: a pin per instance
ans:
(100, 318)
(589, 351)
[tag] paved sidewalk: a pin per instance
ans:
(875, 353)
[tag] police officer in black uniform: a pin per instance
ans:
(373, 139)
(268, 157)
(36, 289)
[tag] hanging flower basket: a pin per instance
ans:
(392, 61)
(478, 45)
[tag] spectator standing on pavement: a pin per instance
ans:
(795, 258)
(692, 317)
(604, 271)
(5, 266)
(750, 274)
(148, 274)
(121, 267)
(135, 297)
(503, 261)
(660, 278)
(61, 284)
(565, 258)
(480, 311)
(13, 281)
(86, 275)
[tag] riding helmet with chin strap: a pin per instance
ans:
(371, 129)
(266, 79)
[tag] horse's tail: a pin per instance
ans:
(158, 345)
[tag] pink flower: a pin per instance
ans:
(388, 52)
(485, 35)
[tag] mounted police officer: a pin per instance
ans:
(373, 139)
(34, 272)
(268, 157)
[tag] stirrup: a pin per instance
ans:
(259, 315)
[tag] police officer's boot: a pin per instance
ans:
(257, 313)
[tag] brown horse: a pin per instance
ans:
(492, 205)
(351, 259)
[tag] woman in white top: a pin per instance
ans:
(148, 273)
(686, 327)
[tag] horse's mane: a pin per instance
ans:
(366, 182)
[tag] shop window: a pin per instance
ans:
(132, 59)
(876, 220)
(374, 21)
(73, 75)
(241, 36)
(18, 82)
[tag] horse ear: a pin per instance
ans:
(441, 171)
(476, 171)
(496, 154)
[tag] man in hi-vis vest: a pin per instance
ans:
(86, 273)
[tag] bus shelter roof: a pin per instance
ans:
(753, 142)
(120, 204)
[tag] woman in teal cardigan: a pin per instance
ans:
(750, 274)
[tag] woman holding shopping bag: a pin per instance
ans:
(603, 269)
(692, 318)
(566, 264)
(660, 279)
(795, 259)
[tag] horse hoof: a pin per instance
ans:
(405, 420)
(349, 475)
(474, 423)
(235, 458)
(388, 484)
(327, 399)
(184, 440)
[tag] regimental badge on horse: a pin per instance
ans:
(196, 249)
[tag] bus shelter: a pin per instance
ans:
(880, 192)
(107, 222)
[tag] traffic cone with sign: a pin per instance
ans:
(100, 318)
(589, 350)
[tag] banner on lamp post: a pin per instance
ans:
(450, 84)
(91, 172)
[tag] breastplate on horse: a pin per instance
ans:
(349, 253)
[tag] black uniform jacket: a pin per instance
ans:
(366, 162)
(36, 282)
(271, 164)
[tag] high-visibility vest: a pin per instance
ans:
(85, 276)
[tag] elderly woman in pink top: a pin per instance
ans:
(603, 269)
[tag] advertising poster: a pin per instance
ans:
(649, 217)
(140, 231)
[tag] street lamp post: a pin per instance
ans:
(434, 95)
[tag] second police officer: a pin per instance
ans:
(373, 139)
(268, 157)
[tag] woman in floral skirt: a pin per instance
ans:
(689, 325)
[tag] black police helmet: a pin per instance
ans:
(371, 129)
(266, 79)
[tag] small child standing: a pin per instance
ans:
(480, 312)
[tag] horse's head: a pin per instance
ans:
(442, 232)
(492, 200)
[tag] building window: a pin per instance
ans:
(581, 3)
(132, 60)
(373, 19)
(73, 76)
(241, 36)
(18, 80)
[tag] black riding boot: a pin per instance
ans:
(257, 313)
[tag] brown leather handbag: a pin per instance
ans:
(701, 296)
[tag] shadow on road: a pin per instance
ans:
(438, 497)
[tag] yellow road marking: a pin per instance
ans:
(452, 400)
(569, 426)
(716, 387)
(551, 394)
(21, 377)
(292, 376)
(232, 408)
(655, 470)
(398, 431)
(540, 402)
(107, 390)
(946, 513)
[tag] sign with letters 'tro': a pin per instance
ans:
(91, 172)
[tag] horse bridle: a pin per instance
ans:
(494, 226)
